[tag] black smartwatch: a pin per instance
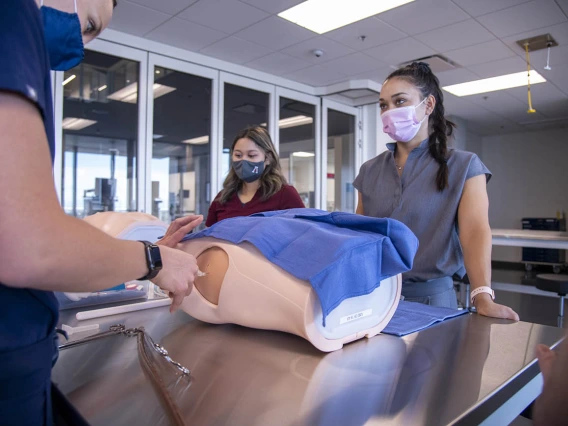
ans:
(153, 260)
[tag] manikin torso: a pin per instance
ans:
(243, 287)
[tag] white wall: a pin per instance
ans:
(463, 138)
(529, 179)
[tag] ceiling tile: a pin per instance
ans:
(527, 16)
(557, 75)
(508, 106)
(235, 50)
(496, 68)
(275, 33)
(375, 31)
(421, 16)
(355, 63)
(459, 75)
(318, 75)
(484, 122)
(331, 50)
(500, 102)
(273, 6)
(177, 32)
(559, 32)
(134, 19)
(546, 98)
(554, 109)
(400, 51)
(483, 7)
(523, 117)
(455, 105)
(171, 7)
(558, 56)
(228, 16)
(480, 53)
(378, 75)
(456, 36)
(278, 63)
(563, 5)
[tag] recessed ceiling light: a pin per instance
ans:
(494, 84)
(73, 123)
(303, 154)
(68, 79)
(321, 16)
(197, 141)
(298, 120)
(130, 93)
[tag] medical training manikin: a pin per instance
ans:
(330, 295)
(243, 287)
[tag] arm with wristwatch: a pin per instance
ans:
(475, 238)
(84, 258)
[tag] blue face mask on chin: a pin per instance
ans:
(63, 38)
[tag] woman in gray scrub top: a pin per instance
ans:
(438, 192)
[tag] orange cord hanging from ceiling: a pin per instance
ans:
(531, 109)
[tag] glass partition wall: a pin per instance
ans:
(139, 131)
(100, 135)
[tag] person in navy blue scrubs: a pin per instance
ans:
(41, 248)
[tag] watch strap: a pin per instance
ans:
(154, 265)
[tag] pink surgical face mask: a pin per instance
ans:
(401, 124)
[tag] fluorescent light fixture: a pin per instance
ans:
(303, 154)
(73, 123)
(68, 79)
(298, 120)
(157, 136)
(494, 84)
(197, 141)
(130, 93)
(321, 16)
(103, 87)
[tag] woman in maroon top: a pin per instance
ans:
(255, 182)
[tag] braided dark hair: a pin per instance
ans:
(422, 77)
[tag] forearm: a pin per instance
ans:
(67, 254)
(476, 245)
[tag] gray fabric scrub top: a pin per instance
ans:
(414, 200)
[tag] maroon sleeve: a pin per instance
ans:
(212, 213)
(290, 199)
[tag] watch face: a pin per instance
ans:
(155, 257)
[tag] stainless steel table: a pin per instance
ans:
(467, 371)
(530, 238)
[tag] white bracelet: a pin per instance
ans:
(479, 290)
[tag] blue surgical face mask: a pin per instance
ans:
(248, 171)
(63, 38)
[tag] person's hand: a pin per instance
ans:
(178, 229)
(487, 307)
(546, 358)
(177, 274)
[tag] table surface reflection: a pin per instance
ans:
(454, 372)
